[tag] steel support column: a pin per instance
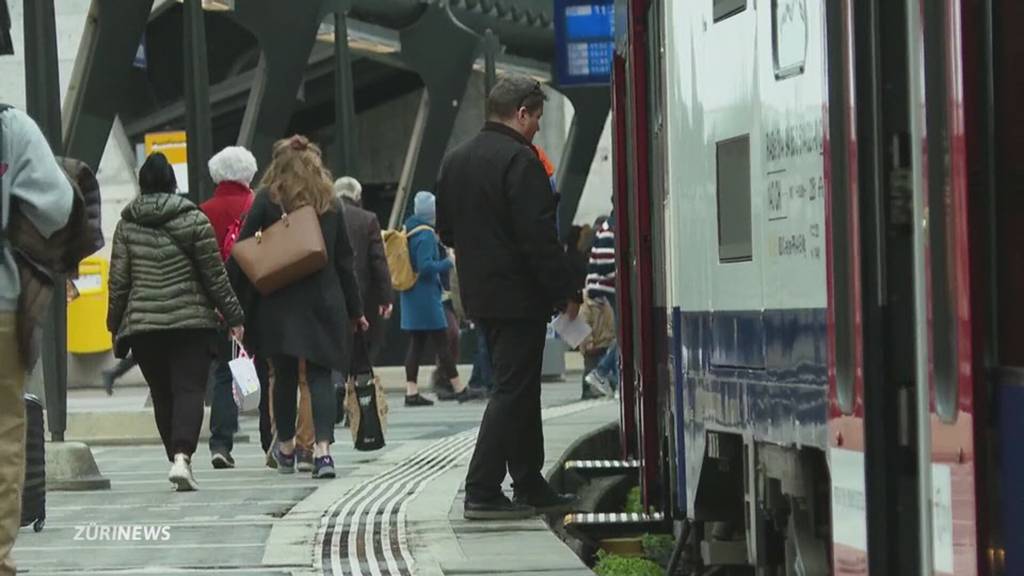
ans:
(442, 51)
(197, 102)
(286, 32)
(345, 158)
(102, 68)
(592, 105)
(492, 45)
(42, 91)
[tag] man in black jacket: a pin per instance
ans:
(497, 209)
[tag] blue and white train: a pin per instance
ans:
(820, 229)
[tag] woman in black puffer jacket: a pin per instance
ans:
(168, 292)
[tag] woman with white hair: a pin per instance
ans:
(232, 169)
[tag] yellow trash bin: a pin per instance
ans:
(87, 314)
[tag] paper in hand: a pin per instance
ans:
(573, 332)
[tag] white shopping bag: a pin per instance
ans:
(246, 383)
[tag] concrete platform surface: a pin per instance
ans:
(394, 511)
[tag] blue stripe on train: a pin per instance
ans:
(759, 372)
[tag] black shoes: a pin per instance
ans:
(222, 459)
(417, 400)
(469, 394)
(547, 501)
(500, 508)
(441, 387)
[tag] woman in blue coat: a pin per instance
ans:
(423, 315)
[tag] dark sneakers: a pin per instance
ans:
(547, 501)
(285, 462)
(323, 467)
(222, 459)
(417, 400)
(500, 508)
(469, 394)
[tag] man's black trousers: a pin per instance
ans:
(511, 437)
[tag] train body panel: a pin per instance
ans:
(749, 292)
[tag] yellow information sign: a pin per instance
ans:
(173, 145)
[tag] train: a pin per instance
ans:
(820, 223)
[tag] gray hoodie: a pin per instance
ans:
(32, 176)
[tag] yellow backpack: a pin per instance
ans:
(396, 249)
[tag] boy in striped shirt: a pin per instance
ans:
(604, 378)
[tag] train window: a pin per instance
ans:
(735, 233)
(789, 37)
(727, 8)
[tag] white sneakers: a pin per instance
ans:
(181, 474)
(599, 383)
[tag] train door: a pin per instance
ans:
(641, 205)
(846, 378)
(624, 254)
(1002, 234)
(944, 50)
(871, 316)
(656, 408)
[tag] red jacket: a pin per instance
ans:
(229, 201)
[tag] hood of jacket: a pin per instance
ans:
(156, 209)
(416, 221)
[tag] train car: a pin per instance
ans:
(820, 261)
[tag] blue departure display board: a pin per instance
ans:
(584, 41)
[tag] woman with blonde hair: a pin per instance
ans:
(311, 318)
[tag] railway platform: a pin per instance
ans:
(397, 511)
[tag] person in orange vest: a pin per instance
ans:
(549, 166)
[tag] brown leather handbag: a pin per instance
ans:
(288, 251)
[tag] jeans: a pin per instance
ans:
(224, 411)
(12, 439)
(123, 366)
(286, 387)
(609, 364)
(266, 411)
(483, 372)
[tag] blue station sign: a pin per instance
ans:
(584, 41)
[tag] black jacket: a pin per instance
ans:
(496, 208)
(311, 318)
(371, 265)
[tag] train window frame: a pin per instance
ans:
(738, 201)
(725, 9)
(797, 67)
